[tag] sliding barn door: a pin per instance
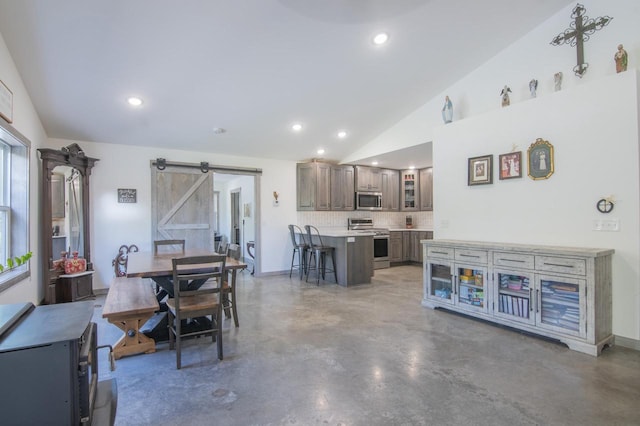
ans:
(182, 206)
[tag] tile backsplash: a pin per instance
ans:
(380, 219)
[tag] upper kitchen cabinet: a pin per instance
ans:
(342, 193)
(324, 186)
(426, 189)
(409, 190)
(390, 189)
(368, 179)
(313, 186)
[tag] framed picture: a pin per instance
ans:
(540, 160)
(510, 165)
(481, 170)
(6, 103)
(127, 195)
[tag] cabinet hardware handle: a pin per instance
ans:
(557, 264)
(530, 297)
(469, 255)
(512, 260)
(439, 252)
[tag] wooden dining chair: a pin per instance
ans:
(177, 246)
(204, 301)
(234, 251)
(223, 247)
(229, 300)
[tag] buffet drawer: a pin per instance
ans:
(565, 265)
(467, 255)
(514, 260)
(440, 252)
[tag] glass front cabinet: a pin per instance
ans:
(561, 293)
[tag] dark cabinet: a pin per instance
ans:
(74, 287)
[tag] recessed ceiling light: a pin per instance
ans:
(381, 38)
(342, 134)
(134, 101)
(412, 167)
(219, 130)
(374, 163)
(320, 151)
(296, 127)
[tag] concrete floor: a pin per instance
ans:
(369, 355)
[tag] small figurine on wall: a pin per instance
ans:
(447, 110)
(557, 80)
(621, 59)
(533, 87)
(505, 96)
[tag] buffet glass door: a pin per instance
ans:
(440, 277)
(514, 296)
(471, 283)
(562, 304)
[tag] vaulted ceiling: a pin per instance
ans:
(250, 67)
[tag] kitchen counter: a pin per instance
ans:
(410, 229)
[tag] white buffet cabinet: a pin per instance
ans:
(562, 293)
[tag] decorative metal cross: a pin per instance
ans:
(578, 32)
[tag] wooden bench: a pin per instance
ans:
(129, 304)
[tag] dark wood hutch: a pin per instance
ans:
(59, 287)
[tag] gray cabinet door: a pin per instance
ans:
(306, 186)
(342, 193)
(407, 247)
(368, 179)
(323, 186)
(395, 246)
(426, 189)
(416, 247)
(390, 190)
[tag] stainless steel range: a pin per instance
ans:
(380, 240)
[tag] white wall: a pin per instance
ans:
(27, 122)
(530, 57)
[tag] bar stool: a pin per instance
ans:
(300, 247)
(319, 254)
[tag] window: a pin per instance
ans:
(216, 212)
(14, 203)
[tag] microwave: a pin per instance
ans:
(368, 201)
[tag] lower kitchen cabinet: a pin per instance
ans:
(557, 292)
(405, 246)
(395, 246)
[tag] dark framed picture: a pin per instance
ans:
(126, 195)
(510, 165)
(481, 170)
(540, 160)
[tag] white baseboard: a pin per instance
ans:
(626, 342)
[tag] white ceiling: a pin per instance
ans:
(252, 67)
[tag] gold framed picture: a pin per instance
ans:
(540, 160)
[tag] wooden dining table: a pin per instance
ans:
(159, 268)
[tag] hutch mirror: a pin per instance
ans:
(65, 221)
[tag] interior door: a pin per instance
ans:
(235, 216)
(182, 206)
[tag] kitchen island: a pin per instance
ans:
(354, 255)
